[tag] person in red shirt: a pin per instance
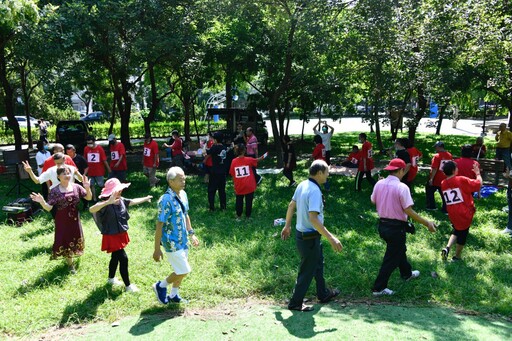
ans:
(465, 164)
(319, 154)
(118, 165)
(365, 164)
(243, 180)
(415, 156)
(150, 160)
(176, 146)
(97, 162)
(437, 176)
(50, 162)
(353, 158)
(207, 161)
(458, 194)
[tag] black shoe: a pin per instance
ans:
(444, 253)
(332, 294)
(456, 259)
(303, 308)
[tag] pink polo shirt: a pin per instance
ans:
(392, 197)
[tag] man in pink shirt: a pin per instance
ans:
(252, 150)
(394, 205)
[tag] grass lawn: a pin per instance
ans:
(247, 259)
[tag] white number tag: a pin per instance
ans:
(354, 161)
(147, 152)
(93, 157)
(415, 160)
(453, 196)
(114, 155)
(242, 172)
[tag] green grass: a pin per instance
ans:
(237, 260)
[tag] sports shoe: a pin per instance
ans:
(176, 299)
(114, 281)
(132, 288)
(456, 259)
(507, 231)
(384, 292)
(161, 293)
(444, 253)
(414, 274)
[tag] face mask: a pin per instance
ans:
(324, 130)
(90, 145)
(46, 148)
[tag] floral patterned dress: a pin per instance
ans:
(69, 238)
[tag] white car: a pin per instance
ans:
(22, 121)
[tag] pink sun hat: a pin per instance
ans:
(111, 186)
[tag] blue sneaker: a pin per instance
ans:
(161, 293)
(176, 299)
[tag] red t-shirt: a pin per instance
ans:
(96, 158)
(366, 154)
(116, 151)
(415, 156)
(208, 161)
(458, 194)
(177, 147)
(437, 162)
(465, 167)
(355, 158)
(243, 177)
(50, 162)
(150, 150)
(319, 152)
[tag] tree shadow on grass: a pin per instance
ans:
(36, 251)
(302, 324)
(38, 232)
(86, 309)
(152, 317)
(55, 276)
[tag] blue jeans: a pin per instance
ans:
(504, 154)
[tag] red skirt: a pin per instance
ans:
(114, 242)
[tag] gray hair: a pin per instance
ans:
(173, 172)
(318, 166)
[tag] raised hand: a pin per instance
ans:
(26, 166)
(37, 197)
(85, 181)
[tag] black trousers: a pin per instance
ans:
(395, 256)
(311, 266)
(288, 173)
(328, 157)
(240, 204)
(216, 183)
(119, 257)
(359, 179)
(431, 201)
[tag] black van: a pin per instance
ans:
(72, 132)
(247, 117)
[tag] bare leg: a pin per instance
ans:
(175, 279)
(452, 241)
(458, 250)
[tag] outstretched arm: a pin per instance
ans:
(137, 201)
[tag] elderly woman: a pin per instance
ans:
(69, 238)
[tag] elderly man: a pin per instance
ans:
(51, 173)
(394, 204)
(504, 139)
(173, 229)
(308, 201)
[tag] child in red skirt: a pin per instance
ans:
(112, 216)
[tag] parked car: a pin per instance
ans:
(72, 132)
(95, 116)
(22, 121)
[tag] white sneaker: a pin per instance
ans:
(114, 281)
(383, 292)
(132, 288)
(414, 274)
(506, 231)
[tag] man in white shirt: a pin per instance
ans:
(326, 136)
(51, 173)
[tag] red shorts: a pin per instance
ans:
(114, 242)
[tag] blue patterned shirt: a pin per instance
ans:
(172, 215)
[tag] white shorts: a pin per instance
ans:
(179, 261)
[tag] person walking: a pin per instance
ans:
(217, 181)
(365, 164)
(394, 205)
(437, 176)
(150, 160)
(415, 156)
(118, 164)
(326, 136)
(112, 217)
(504, 139)
(402, 154)
(173, 230)
(308, 202)
(69, 238)
(176, 146)
(97, 162)
(458, 194)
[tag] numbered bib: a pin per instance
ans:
(415, 160)
(114, 155)
(147, 151)
(242, 172)
(443, 162)
(370, 153)
(93, 157)
(453, 196)
(354, 161)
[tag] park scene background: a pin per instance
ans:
(152, 66)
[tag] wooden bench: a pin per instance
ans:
(492, 171)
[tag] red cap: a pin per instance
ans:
(395, 164)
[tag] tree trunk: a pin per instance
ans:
(26, 104)
(377, 127)
(303, 126)
(9, 101)
(441, 117)
(275, 130)
(187, 103)
(113, 116)
(229, 87)
(422, 108)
